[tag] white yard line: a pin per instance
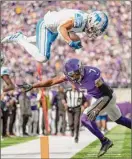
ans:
(59, 146)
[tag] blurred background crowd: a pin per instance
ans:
(110, 52)
(22, 113)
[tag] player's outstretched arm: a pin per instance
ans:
(10, 86)
(48, 83)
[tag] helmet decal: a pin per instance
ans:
(98, 18)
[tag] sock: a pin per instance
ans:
(92, 127)
(124, 121)
(32, 50)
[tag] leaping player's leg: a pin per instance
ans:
(23, 41)
(44, 39)
(32, 50)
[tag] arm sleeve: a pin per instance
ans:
(103, 87)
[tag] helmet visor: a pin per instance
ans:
(92, 32)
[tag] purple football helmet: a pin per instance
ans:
(74, 70)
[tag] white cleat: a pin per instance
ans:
(13, 38)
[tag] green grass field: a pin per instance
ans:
(121, 138)
(15, 140)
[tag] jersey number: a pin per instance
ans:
(92, 70)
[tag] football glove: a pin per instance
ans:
(93, 114)
(95, 109)
(75, 44)
(26, 87)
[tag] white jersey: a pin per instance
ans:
(4, 71)
(54, 19)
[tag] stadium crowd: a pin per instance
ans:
(110, 52)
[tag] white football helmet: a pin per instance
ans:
(2, 58)
(97, 23)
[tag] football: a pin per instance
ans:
(74, 37)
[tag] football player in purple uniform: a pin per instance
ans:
(89, 79)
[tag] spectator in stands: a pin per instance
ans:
(101, 121)
(60, 103)
(12, 113)
(53, 116)
(42, 99)
(5, 112)
(34, 109)
(25, 108)
(41, 115)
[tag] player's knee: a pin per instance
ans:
(118, 121)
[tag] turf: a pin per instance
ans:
(121, 138)
(15, 140)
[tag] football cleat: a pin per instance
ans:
(13, 38)
(105, 146)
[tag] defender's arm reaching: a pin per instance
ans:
(48, 83)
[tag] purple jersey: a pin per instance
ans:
(33, 100)
(87, 84)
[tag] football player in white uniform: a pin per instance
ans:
(60, 22)
(4, 78)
